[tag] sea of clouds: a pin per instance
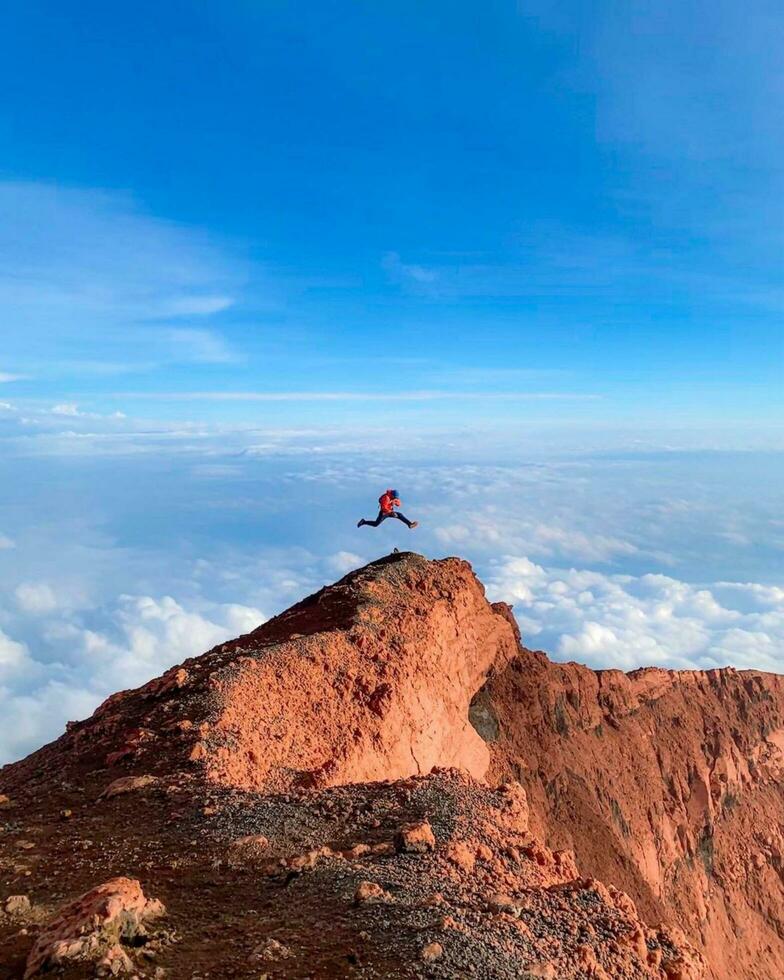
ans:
(127, 547)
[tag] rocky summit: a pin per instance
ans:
(384, 782)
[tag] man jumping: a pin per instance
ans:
(386, 504)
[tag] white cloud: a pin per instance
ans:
(6, 543)
(70, 410)
(199, 305)
(146, 635)
(36, 597)
(343, 562)
(424, 395)
(13, 656)
(5, 378)
(118, 258)
(30, 719)
(627, 621)
(495, 530)
(159, 632)
(131, 643)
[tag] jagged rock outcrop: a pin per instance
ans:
(286, 772)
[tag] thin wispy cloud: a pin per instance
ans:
(399, 271)
(360, 396)
(86, 269)
(70, 410)
(199, 345)
(198, 305)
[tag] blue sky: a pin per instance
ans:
(260, 260)
(575, 200)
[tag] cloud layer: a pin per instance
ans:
(163, 539)
(628, 621)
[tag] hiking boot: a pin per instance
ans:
(412, 525)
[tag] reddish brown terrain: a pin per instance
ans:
(382, 782)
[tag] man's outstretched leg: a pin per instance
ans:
(381, 517)
(405, 520)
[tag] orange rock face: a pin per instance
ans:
(668, 784)
(382, 693)
(287, 772)
(89, 930)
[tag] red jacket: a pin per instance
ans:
(386, 502)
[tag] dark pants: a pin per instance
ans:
(382, 517)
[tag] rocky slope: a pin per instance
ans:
(313, 800)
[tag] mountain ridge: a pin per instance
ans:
(664, 784)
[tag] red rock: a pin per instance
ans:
(418, 717)
(484, 853)
(500, 902)
(459, 853)
(128, 784)
(309, 860)
(17, 904)
(515, 803)
(432, 952)
(369, 892)
(86, 931)
(270, 951)
(541, 969)
(415, 838)
(247, 851)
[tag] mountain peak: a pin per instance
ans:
(352, 742)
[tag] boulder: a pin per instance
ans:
(248, 851)
(432, 952)
(128, 784)
(17, 904)
(92, 929)
(415, 838)
(369, 892)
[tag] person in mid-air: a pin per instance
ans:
(386, 508)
